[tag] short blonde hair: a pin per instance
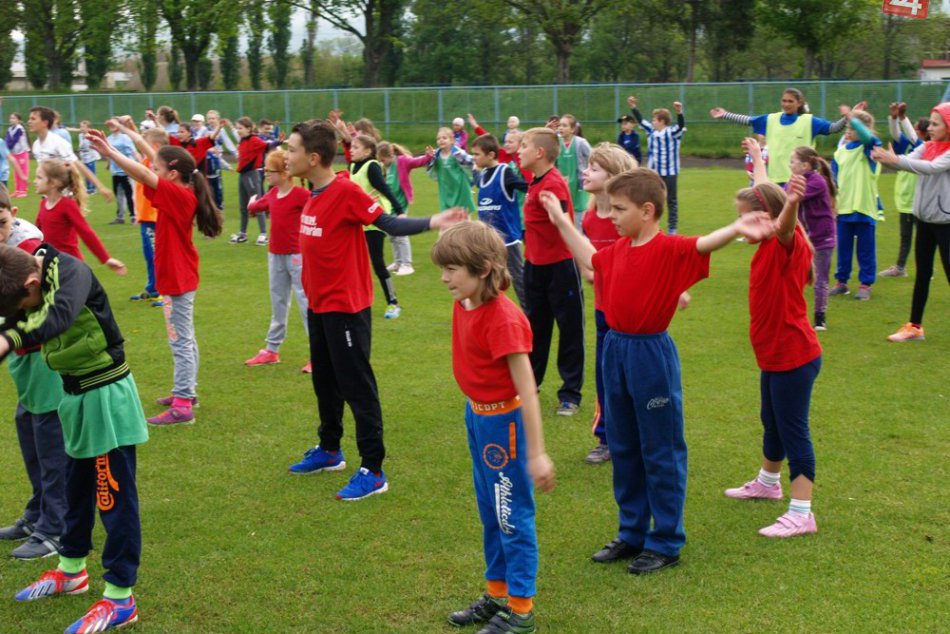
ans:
(156, 135)
(475, 245)
(546, 139)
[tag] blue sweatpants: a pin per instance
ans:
(786, 397)
(147, 229)
(644, 398)
(505, 497)
(863, 233)
(600, 418)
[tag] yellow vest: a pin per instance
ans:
(782, 141)
(361, 178)
(857, 184)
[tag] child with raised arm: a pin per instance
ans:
(397, 163)
(336, 279)
(450, 166)
(663, 151)
(53, 300)
(644, 273)
(284, 201)
(87, 155)
(498, 183)
(491, 340)
(552, 283)
(52, 146)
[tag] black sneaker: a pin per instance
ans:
(21, 529)
(482, 610)
(648, 562)
(507, 622)
(36, 547)
(615, 551)
(820, 324)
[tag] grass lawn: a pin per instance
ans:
(232, 543)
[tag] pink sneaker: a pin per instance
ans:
(755, 490)
(307, 369)
(907, 332)
(173, 416)
(791, 525)
(263, 357)
(167, 401)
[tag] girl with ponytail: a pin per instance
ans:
(182, 196)
(62, 216)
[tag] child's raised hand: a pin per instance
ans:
(887, 157)
(98, 141)
(553, 206)
(447, 218)
(902, 110)
(678, 106)
(430, 151)
(861, 105)
(751, 147)
(717, 113)
(149, 114)
(683, 302)
(632, 101)
(795, 190)
(541, 470)
(845, 111)
(471, 120)
(755, 226)
(117, 266)
(893, 110)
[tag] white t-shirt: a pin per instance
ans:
(53, 147)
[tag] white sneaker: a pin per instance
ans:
(262, 240)
(392, 267)
(405, 269)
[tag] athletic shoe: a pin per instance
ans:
(392, 267)
(36, 547)
(261, 240)
(117, 221)
(893, 271)
(908, 332)
(238, 238)
(393, 311)
(567, 408)
(616, 551)
(405, 269)
(507, 622)
(105, 615)
(480, 611)
(363, 484)
(316, 460)
(173, 416)
(840, 289)
(263, 357)
(598, 455)
(167, 401)
(820, 324)
(52, 583)
(864, 293)
(145, 296)
(649, 562)
(20, 530)
(159, 302)
(307, 369)
(791, 525)
(755, 490)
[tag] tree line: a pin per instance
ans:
(408, 42)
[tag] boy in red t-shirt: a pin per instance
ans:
(643, 275)
(552, 283)
(336, 279)
(491, 340)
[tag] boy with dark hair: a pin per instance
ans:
(643, 275)
(552, 283)
(54, 300)
(339, 289)
(628, 138)
(52, 146)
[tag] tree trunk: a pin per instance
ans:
(563, 52)
(691, 60)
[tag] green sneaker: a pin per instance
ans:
(481, 611)
(507, 622)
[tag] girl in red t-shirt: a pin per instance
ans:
(787, 351)
(62, 216)
(183, 198)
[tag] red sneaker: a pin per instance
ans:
(263, 357)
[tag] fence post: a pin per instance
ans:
(682, 93)
(497, 107)
(286, 108)
(555, 110)
(193, 108)
(824, 95)
(336, 99)
(441, 117)
(616, 101)
(751, 99)
(900, 92)
(72, 108)
(241, 104)
(386, 109)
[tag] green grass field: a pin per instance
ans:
(232, 543)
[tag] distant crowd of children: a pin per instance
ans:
(552, 211)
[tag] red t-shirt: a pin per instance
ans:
(284, 218)
(176, 259)
(251, 151)
(641, 285)
(198, 148)
(482, 338)
(781, 335)
(63, 225)
(542, 241)
(602, 233)
(336, 273)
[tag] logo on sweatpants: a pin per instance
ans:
(495, 456)
(658, 402)
(105, 484)
(503, 503)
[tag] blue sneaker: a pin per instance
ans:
(106, 615)
(317, 460)
(363, 484)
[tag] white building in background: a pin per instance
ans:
(114, 79)
(935, 69)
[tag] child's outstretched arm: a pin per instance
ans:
(134, 169)
(127, 126)
(754, 226)
(540, 466)
(479, 130)
(788, 218)
(759, 173)
(580, 246)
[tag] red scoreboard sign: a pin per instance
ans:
(907, 8)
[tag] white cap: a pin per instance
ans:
(458, 121)
(198, 117)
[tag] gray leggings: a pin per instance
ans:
(250, 185)
(180, 324)
(284, 273)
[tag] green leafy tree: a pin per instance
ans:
(175, 74)
(99, 19)
(192, 24)
(308, 47)
(229, 58)
(256, 27)
(205, 73)
(280, 14)
(9, 20)
(146, 21)
(52, 30)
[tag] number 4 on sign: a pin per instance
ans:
(907, 8)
